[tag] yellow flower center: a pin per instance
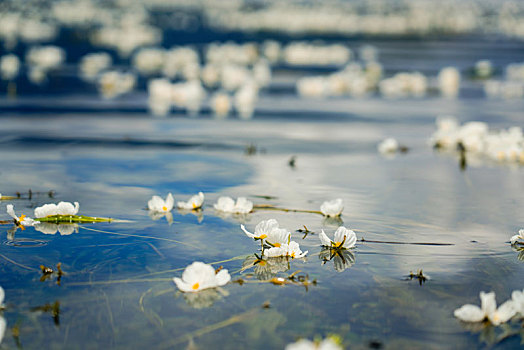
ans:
(293, 255)
(337, 244)
(21, 218)
(262, 236)
(277, 245)
(195, 286)
(164, 208)
(194, 205)
(262, 263)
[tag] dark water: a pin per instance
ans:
(118, 291)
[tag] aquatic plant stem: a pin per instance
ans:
(271, 207)
(216, 326)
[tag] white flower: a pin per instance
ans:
(194, 202)
(332, 208)
(518, 300)
(199, 276)
(305, 344)
(343, 238)
(46, 210)
(66, 208)
(488, 309)
(9, 66)
(2, 296)
(157, 204)
(228, 205)
(291, 250)
(22, 220)
(269, 231)
(62, 208)
(389, 145)
(518, 237)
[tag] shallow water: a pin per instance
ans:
(118, 291)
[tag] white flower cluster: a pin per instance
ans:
(403, 85)
(488, 309)
(42, 59)
(475, 137)
(278, 239)
(93, 63)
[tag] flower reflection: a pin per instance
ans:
(156, 215)
(332, 221)
(342, 258)
(265, 268)
(198, 213)
(51, 228)
(205, 298)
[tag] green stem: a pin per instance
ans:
(58, 219)
(271, 207)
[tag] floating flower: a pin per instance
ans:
(228, 205)
(269, 231)
(193, 203)
(305, 344)
(157, 204)
(22, 220)
(388, 146)
(199, 276)
(518, 237)
(332, 208)
(487, 310)
(343, 238)
(62, 208)
(291, 250)
(518, 300)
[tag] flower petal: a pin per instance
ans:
(469, 313)
(324, 239)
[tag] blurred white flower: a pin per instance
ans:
(94, 63)
(332, 208)
(449, 81)
(112, 84)
(228, 205)
(221, 104)
(487, 310)
(389, 145)
(157, 204)
(193, 203)
(9, 66)
(305, 344)
(199, 276)
(343, 238)
(518, 300)
(518, 237)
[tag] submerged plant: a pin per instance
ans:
(487, 311)
(199, 276)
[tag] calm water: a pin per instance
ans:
(118, 291)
